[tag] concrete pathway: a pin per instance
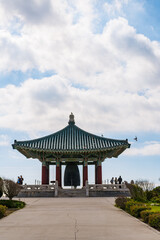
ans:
(73, 218)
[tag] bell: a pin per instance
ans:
(71, 175)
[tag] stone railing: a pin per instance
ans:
(90, 190)
(106, 187)
(41, 188)
(38, 187)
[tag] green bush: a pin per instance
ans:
(121, 202)
(154, 220)
(145, 215)
(130, 203)
(12, 203)
(136, 210)
(2, 211)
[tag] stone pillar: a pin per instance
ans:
(85, 172)
(58, 172)
(45, 173)
(99, 172)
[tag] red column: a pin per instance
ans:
(58, 172)
(85, 173)
(99, 173)
(45, 173)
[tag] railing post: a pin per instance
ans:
(87, 189)
(56, 189)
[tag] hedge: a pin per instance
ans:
(121, 202)
(12, 203)
(154, 220)
(145, 215)
(131, 203)
(2, 211)
(136, 210)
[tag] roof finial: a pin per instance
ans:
(71, 119)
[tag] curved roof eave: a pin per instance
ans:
(71, 138)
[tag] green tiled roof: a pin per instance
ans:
(71, 139)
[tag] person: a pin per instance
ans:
(112, 180)
(116, 180)
(18, 180)
(21, 180)
(120, 180)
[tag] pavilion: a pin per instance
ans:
(71, 146)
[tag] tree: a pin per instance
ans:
(145, 184)
(136, 192)
(1, 187)
(11, 189)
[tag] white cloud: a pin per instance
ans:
(119, 58)
(115, 6)
(45, 105)
(117, 71)
(35, 12)
(149, 149)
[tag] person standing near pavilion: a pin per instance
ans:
(120, 180)
(18, 180)
(21, 180)
(116, 180)
(112, 180)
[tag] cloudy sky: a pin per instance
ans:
(99, 59)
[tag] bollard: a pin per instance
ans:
(56, 189)
(87, 188)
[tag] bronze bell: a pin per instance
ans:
(71, 175)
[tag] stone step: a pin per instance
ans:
(71, 192)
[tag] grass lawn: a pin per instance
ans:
(155, 208)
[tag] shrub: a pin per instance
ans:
(130, 203)
(136, 192)
(2, 211)
(11, 189)
(121, 202)
(136, 210)
(154, 220)
(145, 215)
(12, 203)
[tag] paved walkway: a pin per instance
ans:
(73, 218)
